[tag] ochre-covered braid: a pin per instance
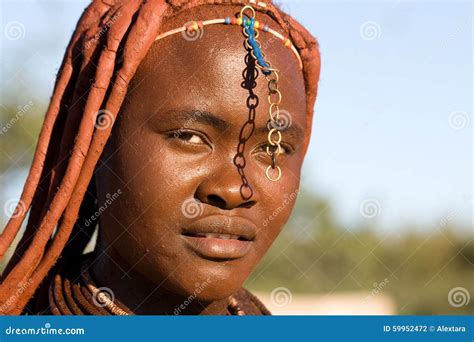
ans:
(93, 78)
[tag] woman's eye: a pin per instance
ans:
(285, 149)
(189, 137)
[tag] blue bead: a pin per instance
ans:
(265, 28)
(227, 20)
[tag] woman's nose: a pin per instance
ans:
(225, 192)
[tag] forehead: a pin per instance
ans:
(207, 73)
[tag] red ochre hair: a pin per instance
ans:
(95, 72)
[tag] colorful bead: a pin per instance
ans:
(227, 20)
(265, 28)
(287, 42)
(239, 21)
(195, 26)
(233, 20)
(257, 24)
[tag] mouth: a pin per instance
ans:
(220, 237)
(216, 236)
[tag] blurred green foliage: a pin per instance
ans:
(19, 130)
(316, 254)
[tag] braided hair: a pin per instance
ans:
(94, 75)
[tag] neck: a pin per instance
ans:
(139, 294)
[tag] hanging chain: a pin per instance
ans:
(250, 31)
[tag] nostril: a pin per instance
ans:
(216, 201)
(248, 204)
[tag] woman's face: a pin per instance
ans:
(183, 217)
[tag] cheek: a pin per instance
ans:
(149, 206)
(278, 202)
(154, 184)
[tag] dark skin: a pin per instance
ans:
(160, 156)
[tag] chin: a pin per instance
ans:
(209, 293)
(206, 282)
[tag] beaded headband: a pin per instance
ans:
(250, 29)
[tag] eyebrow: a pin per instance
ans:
(187, 117)
(200, 116)
(294, 130)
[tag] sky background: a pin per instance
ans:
(393, 119)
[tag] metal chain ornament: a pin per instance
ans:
(250, 31)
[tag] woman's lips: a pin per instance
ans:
(220, 237)
(218, 248)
